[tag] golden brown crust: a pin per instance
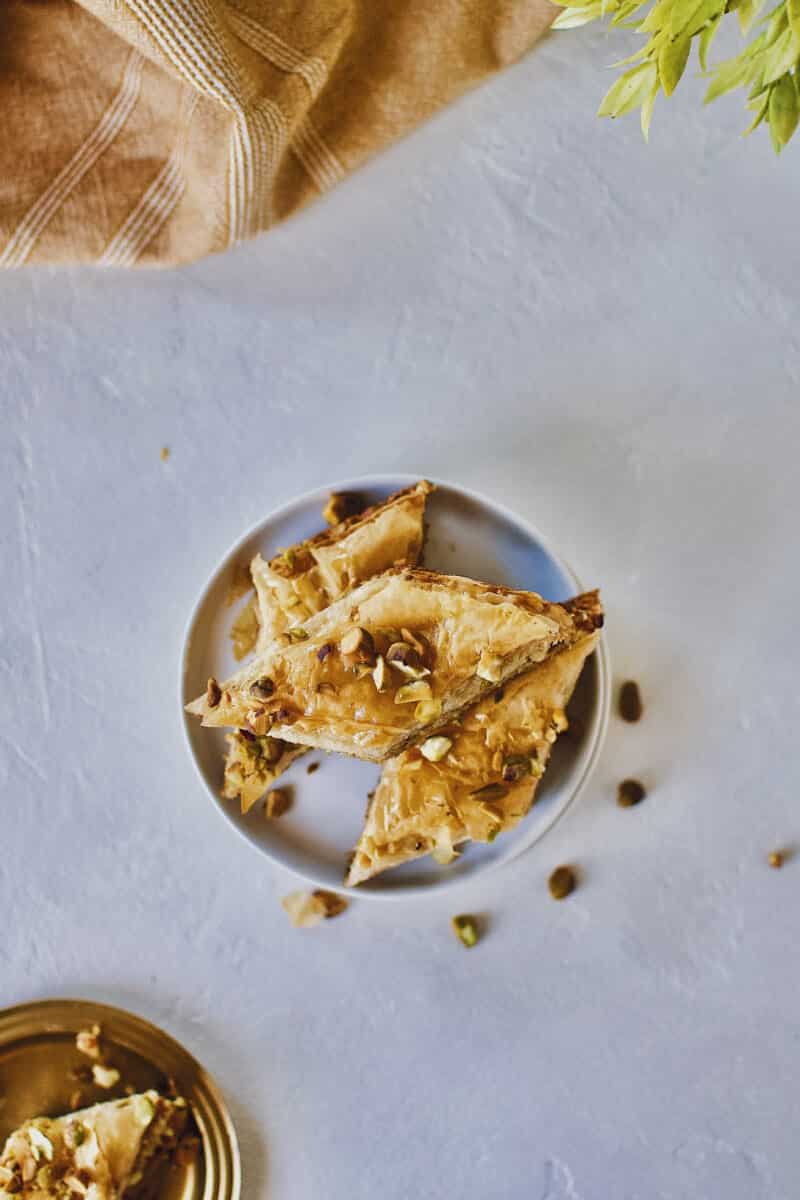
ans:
(306, 578)
(336, 533)
(481, 779)
(370, 705)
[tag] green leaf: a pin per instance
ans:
(748, 11)
(784, 111)
(793, 15)
(706, 38)
(657, 17)
(627, 91)
(626, 10)
(781, 56)
(572, 18)
(672, 63)
(647, 109)
(709, 10)
(778, 22)
(761, 112)
(726, 77)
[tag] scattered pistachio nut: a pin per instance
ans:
(630, 792)
(259, 721)
(358, 642)
(342, 505)
(516, 767)
(213, 693)
(435, 748)
(306, 909)
(272, 749)
(297, 634)
(41, 1145)
(413, 641)
(561, 883)
(380, 674)
(630, 701)
(411, 693)
(87, 1042)
(277, 803)
(164, 453)
(105, 1077)
(776, 859)
(465, 928)
(262, 688)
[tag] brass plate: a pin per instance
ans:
(37, 1056)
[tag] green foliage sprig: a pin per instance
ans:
(768, 68)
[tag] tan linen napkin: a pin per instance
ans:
(156, 131)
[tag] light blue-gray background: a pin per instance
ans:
(601, 335)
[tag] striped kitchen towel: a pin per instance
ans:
(142, 132)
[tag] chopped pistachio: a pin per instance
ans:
(380, 674)
(776, 859)
(515, 767)
(466, 930)
(630, 792)
(297, 634)
(278, 802)
(435, 748)
(561, 882)
(411, 693)
(41, 1145)
(105, 1077)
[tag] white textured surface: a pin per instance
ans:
(602, 336)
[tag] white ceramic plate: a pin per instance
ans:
(467, 535)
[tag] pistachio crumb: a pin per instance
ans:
(164, 453)
(630, 701)
(561, 882)
(278, 802)
(466, 929)
(105, 1077)
(776, 859)
(630, 792)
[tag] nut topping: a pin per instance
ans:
(380, 675)
(435, 748)
(278, 802)
(515, 767)
(262, 688)
(358, 644)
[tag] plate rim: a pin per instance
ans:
(59, 1013)
(584, 768)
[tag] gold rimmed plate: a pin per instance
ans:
(40, 1065)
